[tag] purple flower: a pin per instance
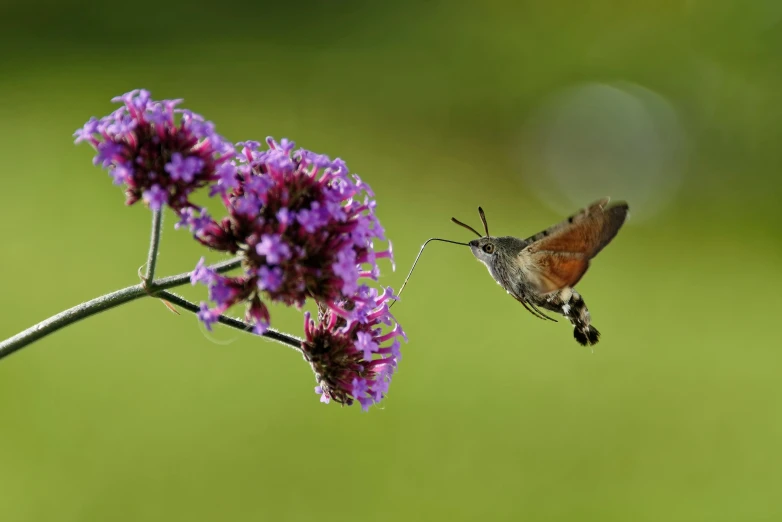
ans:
(313, 219)
(221, 290)
(202, 223)
(302, 225)
(207, 316)
(184, 168)
(86, 133)
(186, 216)
(155, 197)
(273, 248)
(365, 343)
(323, 397)
(285, 217)
(226, 180)
(346, 268)
(358, 387)
(353, 360)
(121, 173)
(247, 205)
(285, 144)
(201, 273)
(258, 185)
(379, 389)
(366, 402)
(108, 153)
(361, 185)
(270, 278)
(122, 125)
(156, 158)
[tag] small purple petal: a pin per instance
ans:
(260, 327)
(286, 145)
(340, 167)
(249, 144)
(273, 248)
(155, 197)
(279, 162)
(220, 292)
(313, 219)
(207, 316)
(258, 185)
(185, 218)
(347, 269)
(323, 396)
(285, 216)
(226, 180)
(270, 278)
(121, 174)
(158, 114)
(108, 151)
(365, 344)
(358, 387)
(361, 185)
(122, 126)
(87, 131)
(201, 273)
(247, 205)
(366, 402)
(201, 223)
(184, 168)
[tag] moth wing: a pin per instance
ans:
(574, 218)
(561, 254)
(548, 273)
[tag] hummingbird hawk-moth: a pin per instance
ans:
(541, 271)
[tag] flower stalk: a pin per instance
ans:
(274, 335)
(154, 246)
(100, 304)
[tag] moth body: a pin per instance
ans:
(541, 271)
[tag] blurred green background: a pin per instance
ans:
(530, 109)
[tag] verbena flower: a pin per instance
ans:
(304, 227)
(160, 154)
(351, 355)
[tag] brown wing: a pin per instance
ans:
(574, 218)
(559, 256)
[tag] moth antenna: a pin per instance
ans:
(483, 218)
(418, 257)
(468, 227)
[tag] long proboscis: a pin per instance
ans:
(418, 257)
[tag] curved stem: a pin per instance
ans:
(154, 246)
(274, 335)
(97, 305)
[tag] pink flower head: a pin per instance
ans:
(304, 226)
(159, 154)
(354, 359)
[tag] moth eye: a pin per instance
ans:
(488, 248)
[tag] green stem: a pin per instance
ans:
(274, 335)
(97, 305)
(154, 246)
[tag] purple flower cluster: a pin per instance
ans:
(353, 359)
(159, 153)
(303, 225)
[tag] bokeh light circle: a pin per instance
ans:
(594, 140)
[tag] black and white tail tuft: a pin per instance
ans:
(576, 310)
